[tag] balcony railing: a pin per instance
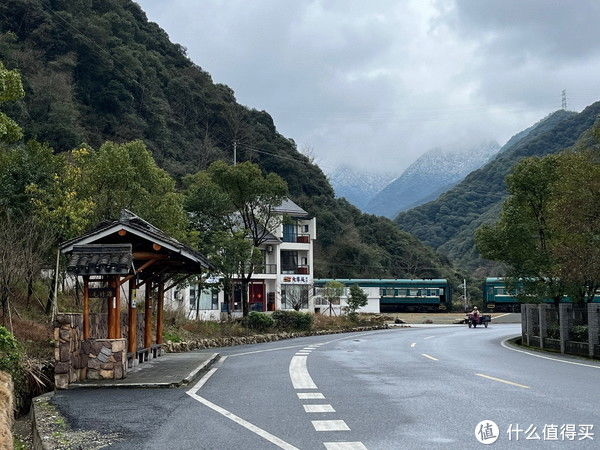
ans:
(265, 269)
(300, 238)
(296, 270)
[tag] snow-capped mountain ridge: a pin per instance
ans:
(358, 187)
(431, 172)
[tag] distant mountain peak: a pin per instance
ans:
(433, 172)
(356, 185)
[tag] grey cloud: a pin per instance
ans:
(378, 83)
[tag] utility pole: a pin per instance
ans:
(234, 152)
(564, 99)
(465, 293)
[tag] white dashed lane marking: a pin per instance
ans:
(330, 425)
(429, 357)
(310, 396)
(318, 408)
(299, 373)
(428, 337)
(344, 446)
(500, 380)
(413, 344)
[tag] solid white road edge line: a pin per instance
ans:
(266, 350)
(299, 373)
(249, 426)
(344, 446)
(505, 345)
(429, 356)
(501, 315)
(500, 380)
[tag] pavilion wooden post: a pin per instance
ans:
(148, 315)
(160, 303)
(117, 309)
(110, 316)
(132, 320)
(86, 307)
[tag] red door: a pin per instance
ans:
(257, 297)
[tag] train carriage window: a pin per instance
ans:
(413, 292)
(396, 292)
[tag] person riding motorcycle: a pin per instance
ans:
(475, 312)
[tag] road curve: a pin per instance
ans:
(403, 388)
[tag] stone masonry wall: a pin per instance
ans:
(106, 358)
(77, 360)
(69, 366)
(178, 347)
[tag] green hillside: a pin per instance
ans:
(448, 223)
(96, 71)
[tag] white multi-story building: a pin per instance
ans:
(283, 280)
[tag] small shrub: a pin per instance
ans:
(258, 321)
(10, 355)
(553, 332)
(579, 333)
(171, 337)
(293, 320)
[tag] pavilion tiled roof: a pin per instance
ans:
(93, 259)
(136, 223)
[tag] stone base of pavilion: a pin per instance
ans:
(79, 359)
(170, 371)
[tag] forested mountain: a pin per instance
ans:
(99, 70)
(448, 223)
(357, 186)
(432, 173)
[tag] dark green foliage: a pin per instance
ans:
(10, 355)
(259, 321)
(292, 320)
(357, 299)
(448, 223)
(99, 71)
(579, 333)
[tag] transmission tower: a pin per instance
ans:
(564, 99)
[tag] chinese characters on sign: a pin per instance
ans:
(551, 432)
(488, 432)
(296, 279)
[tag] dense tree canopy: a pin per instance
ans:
(449, 222)
(99, 71)
(548, 232)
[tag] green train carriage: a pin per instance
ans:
(404, 295)
(498, 297)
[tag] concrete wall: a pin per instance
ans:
(538, 331)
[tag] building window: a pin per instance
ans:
(289, 232)
(206, 299)
(306, 228)
(294, 296)
(193, 293)
(289, 261)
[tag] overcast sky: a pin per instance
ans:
(374, 84)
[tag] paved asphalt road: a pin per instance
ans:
(402, 388)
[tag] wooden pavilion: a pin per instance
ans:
(125, 255)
